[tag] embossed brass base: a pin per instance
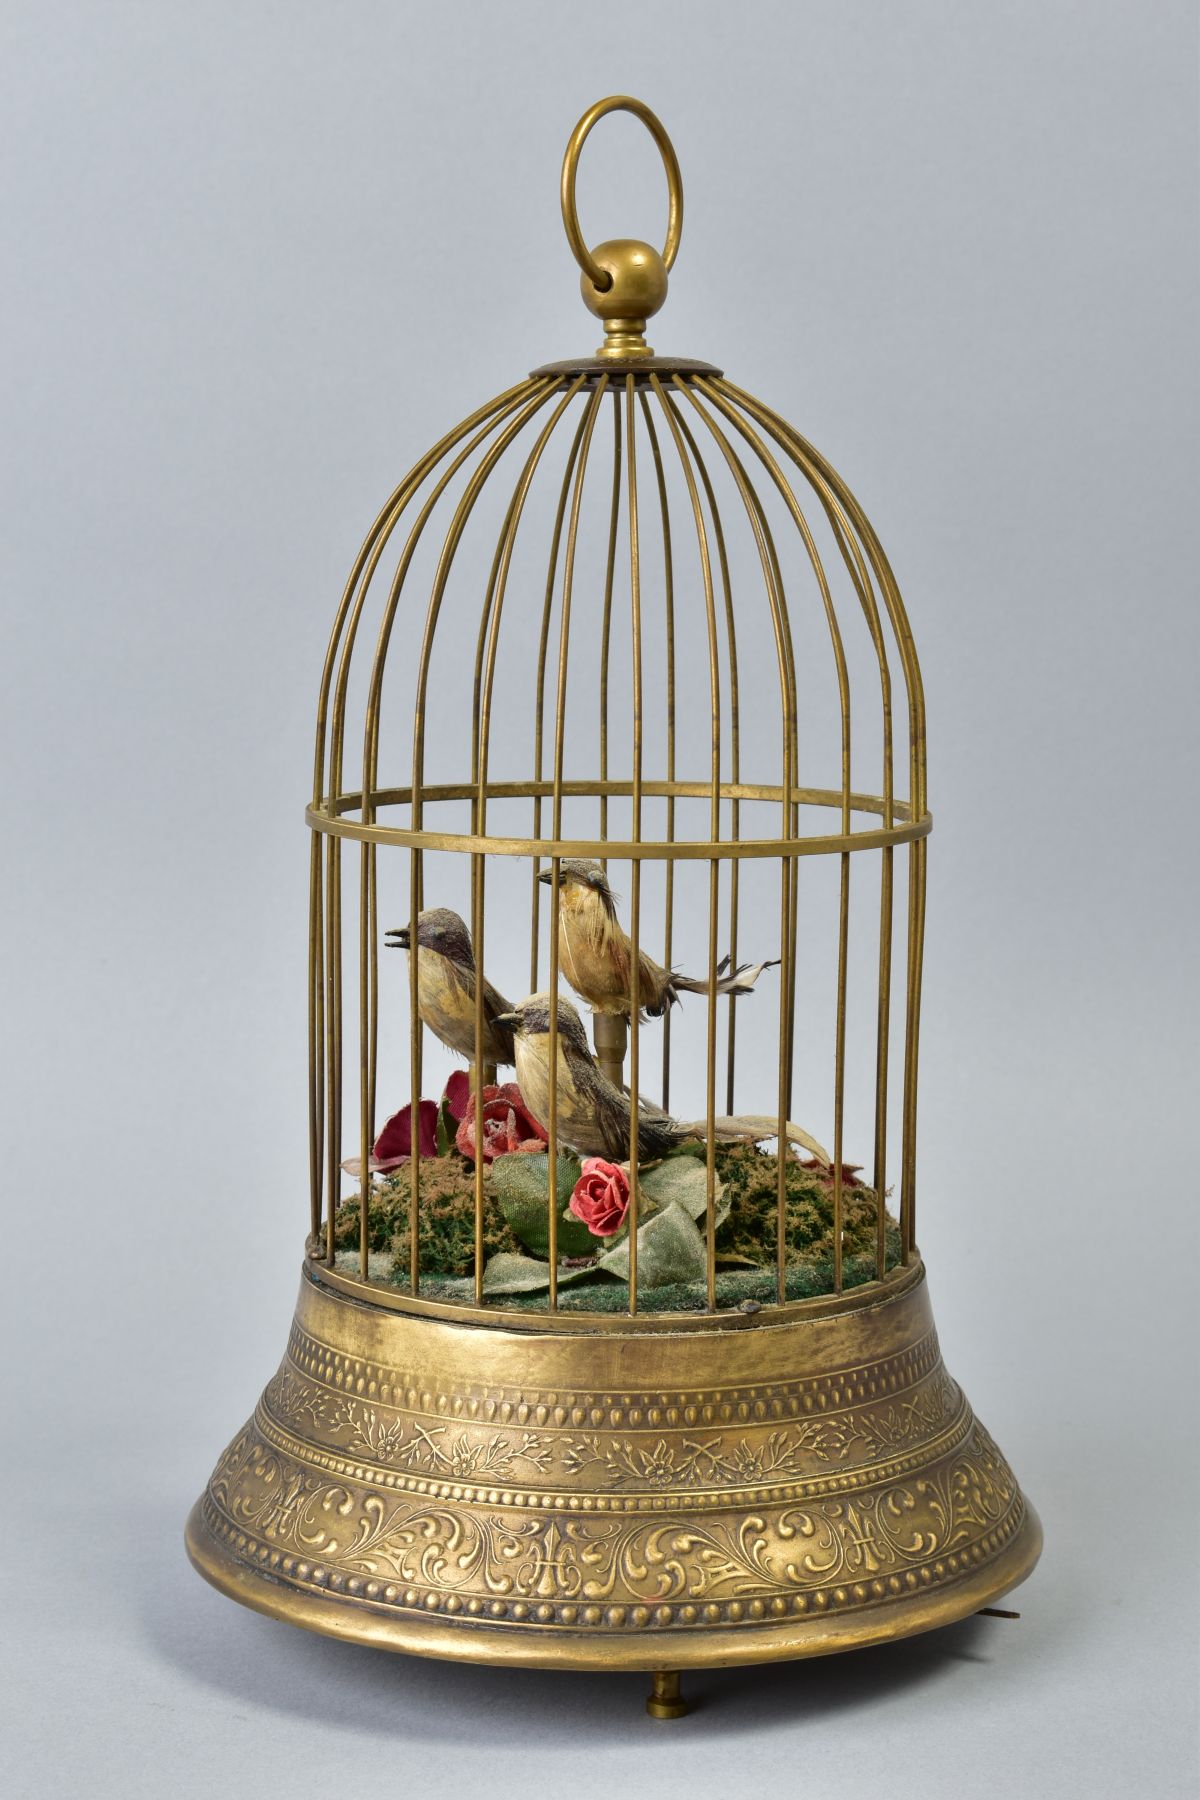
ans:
(749, 1489)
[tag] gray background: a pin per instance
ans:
(258, 256)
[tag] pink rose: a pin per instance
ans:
(601, 1197)
(508, 1125)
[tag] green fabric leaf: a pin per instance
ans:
(446, 1128)
(669, 1249)
(522, 1182)
(684, 1181)
(509, 1274)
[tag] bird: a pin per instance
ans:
(446, 987)
(597, 956)
(593, 1115)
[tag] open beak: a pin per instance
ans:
(397, 939)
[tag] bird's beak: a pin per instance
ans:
(546, 875)
(513, 1019)
(397, 939)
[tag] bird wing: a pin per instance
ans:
(656, 991)
(494, 1004)
(612, 1119)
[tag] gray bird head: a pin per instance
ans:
(531, 1019)
(578, 871)
(440, 930)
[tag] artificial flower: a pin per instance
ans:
(508, 1125)
(600, 1197)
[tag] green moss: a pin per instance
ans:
(446, 1219)
(751, 1180)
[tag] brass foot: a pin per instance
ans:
(664, 1700)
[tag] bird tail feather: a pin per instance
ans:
(752, 1128)
(729, 981)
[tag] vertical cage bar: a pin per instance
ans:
(539, 717)
(477, 940)
(316, 1027)
(493, 606)
(371, 731)
(916, 942)
(669, 622)
(681, 437)
(882, 1033)
(606, 614)
(373, 977)
(821, 477)
(450, 543)
(489, 630)
(333, 1025)
(710, 1084)
(635, 881)
(365, 1131)
(866, 598)
(787, 676)
(552, 1060)
(825, 480)
(787, 952)
(560, 721)
(368, 1007)
(735, 762)
(415, 858)
(839, 1066)
(365, 564)
(524, 408)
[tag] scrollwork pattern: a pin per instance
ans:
(639, 1561)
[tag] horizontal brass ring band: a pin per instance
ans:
(645, 1500)
(620, 790)
(681, 850)
(867, 1294)
(640, 367)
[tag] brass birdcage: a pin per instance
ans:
(537, 1405)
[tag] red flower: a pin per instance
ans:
(457, 1095)
(601, 1197)
(850, 1171)
(508, 1125)
(393, 1146)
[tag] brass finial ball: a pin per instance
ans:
(639, 280)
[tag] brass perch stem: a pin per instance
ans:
(610, 1034)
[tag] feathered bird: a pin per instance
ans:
(597, 956)
(446, 987)
(593, 1114)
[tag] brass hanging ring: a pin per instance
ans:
(600, 278)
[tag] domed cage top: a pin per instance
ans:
(570, 597)
(607, 1353)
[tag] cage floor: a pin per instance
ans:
(734, 1287)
